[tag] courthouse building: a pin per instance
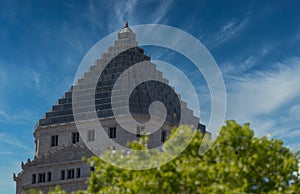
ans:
(60, 147)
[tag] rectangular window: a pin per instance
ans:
(163, 135)
(91, 135)
(49, 176)
(174, 115)
(54, 140)
(78, 173)
(33, 179)
(139, 131)
(42, 177)
(36, 145)
(70, 173)
(62, 175)
(92, 169)
(112, 132)
(75, 137)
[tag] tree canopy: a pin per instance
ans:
(238, 162)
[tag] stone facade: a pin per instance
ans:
(59, 147)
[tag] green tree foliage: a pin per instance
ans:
(237, 163)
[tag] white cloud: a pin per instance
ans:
(291, 133)
(8, 140)
(268, 99)
(2, 113)
(239, 65)
(230, 29)
(294, 146)
(3, 78)
(7, 184)
(122, 11)
(4, 152)
(125, 8)
(297, 38)
(161, 12)
(263, 92)
(230, 68)
(18, 117)
(295, 111)
(2, 75)
(36, 78)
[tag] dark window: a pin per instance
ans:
(91, 135)
(36, 145)
(70, 173)
(112, 132)
(163, 135)
(92, 169)
(49, 176)
(62, 175)
(54, 140)
(139, 131)
(42, 178)
(78, 173)
(33, 181)
(75, 137)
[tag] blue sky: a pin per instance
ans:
(256, 45)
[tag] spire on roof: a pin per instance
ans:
(126, 32)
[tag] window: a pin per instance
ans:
(91, 135)
(70, 173)
(62, 175)
(78, 173)
(49, 176)
(174, 115)
(54, 140)
(92, 169)
(112, 132)
(33, 179)
(75, 137)
(163, 135)
(42, 177)
(36, 145)
(139, 131)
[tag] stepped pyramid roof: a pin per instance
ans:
(123, 54)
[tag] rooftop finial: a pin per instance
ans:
(126, 25)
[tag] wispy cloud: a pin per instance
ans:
(20, 117)
(257, 97)
(121, 12)
(124, 8)
(161, 12)
(36, 78)
(8, 140)
(3, 76)
(240, 65)
(227, 31)
(263, 92)
(297, 37)
(230, 68)
(295, 110)
(3, 115)
(7, 185)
